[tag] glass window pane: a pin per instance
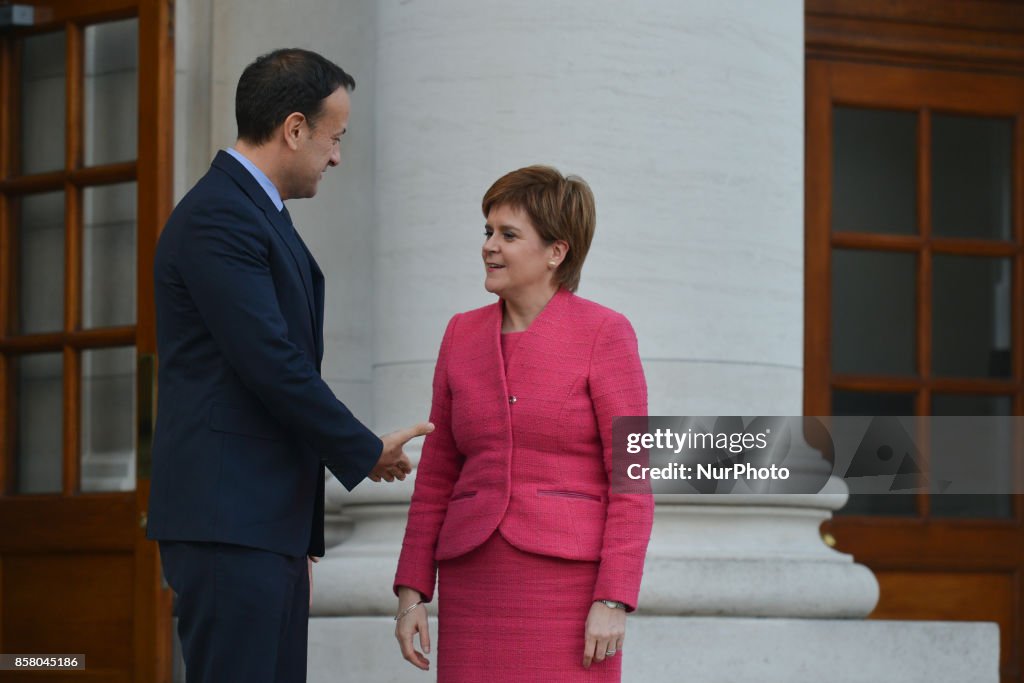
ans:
(971, 404)
(871, 403)
(873, 315)
(971, 176)
(971, 325)
(867, 403)
(40, 263)
(38, 442)
(108, 420)
(111, 87)
(874, 171)
(991, 449)
(42, 102)
(109, 259)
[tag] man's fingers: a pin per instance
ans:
(418, 429)
(392, 465)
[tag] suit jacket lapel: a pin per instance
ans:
(285, 231)
(318, 303)
(299, 253)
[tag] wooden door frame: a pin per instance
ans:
(955, 45)
(152, 171)
(153, 601)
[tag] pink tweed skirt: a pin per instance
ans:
(508, 616)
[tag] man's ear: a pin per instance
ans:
(291, 129)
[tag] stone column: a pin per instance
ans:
(693, 149)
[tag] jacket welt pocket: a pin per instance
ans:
(569, 494)
(462, 496)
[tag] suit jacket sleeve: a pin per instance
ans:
(226, 268)
(617, 387)
(438, 470)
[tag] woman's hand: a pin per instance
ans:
(414, 621)
(605, 633)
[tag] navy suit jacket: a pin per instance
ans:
(245, 424)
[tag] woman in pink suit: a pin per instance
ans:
(537, 559)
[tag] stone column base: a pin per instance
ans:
(711, 650)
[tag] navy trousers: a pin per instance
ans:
(243, 613)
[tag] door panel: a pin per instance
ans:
(914, 307)
(96, 608)
(85, 185)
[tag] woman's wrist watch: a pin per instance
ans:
(614, 604)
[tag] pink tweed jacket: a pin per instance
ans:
(528, 452)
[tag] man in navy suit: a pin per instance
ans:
(245, 424)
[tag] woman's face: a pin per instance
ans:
(516, 259)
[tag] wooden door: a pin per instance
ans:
(85, 185)
(915, 279)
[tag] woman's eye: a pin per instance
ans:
(488, 233)
(508, 236)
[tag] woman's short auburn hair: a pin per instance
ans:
(560, 208)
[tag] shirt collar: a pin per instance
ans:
(260, 177)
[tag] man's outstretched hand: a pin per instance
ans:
(394, 463)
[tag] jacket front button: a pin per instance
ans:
(512, 399)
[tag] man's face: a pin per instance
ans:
(320, 145)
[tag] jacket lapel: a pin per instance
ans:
(282, 226)
(485, 342)
(543, 332)
(318, 304)
(298, 251)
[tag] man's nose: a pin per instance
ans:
(335, 157)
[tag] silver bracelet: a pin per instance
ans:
(408, 609)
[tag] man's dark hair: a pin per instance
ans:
(280, 83)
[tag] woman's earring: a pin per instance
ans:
(553, 264)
